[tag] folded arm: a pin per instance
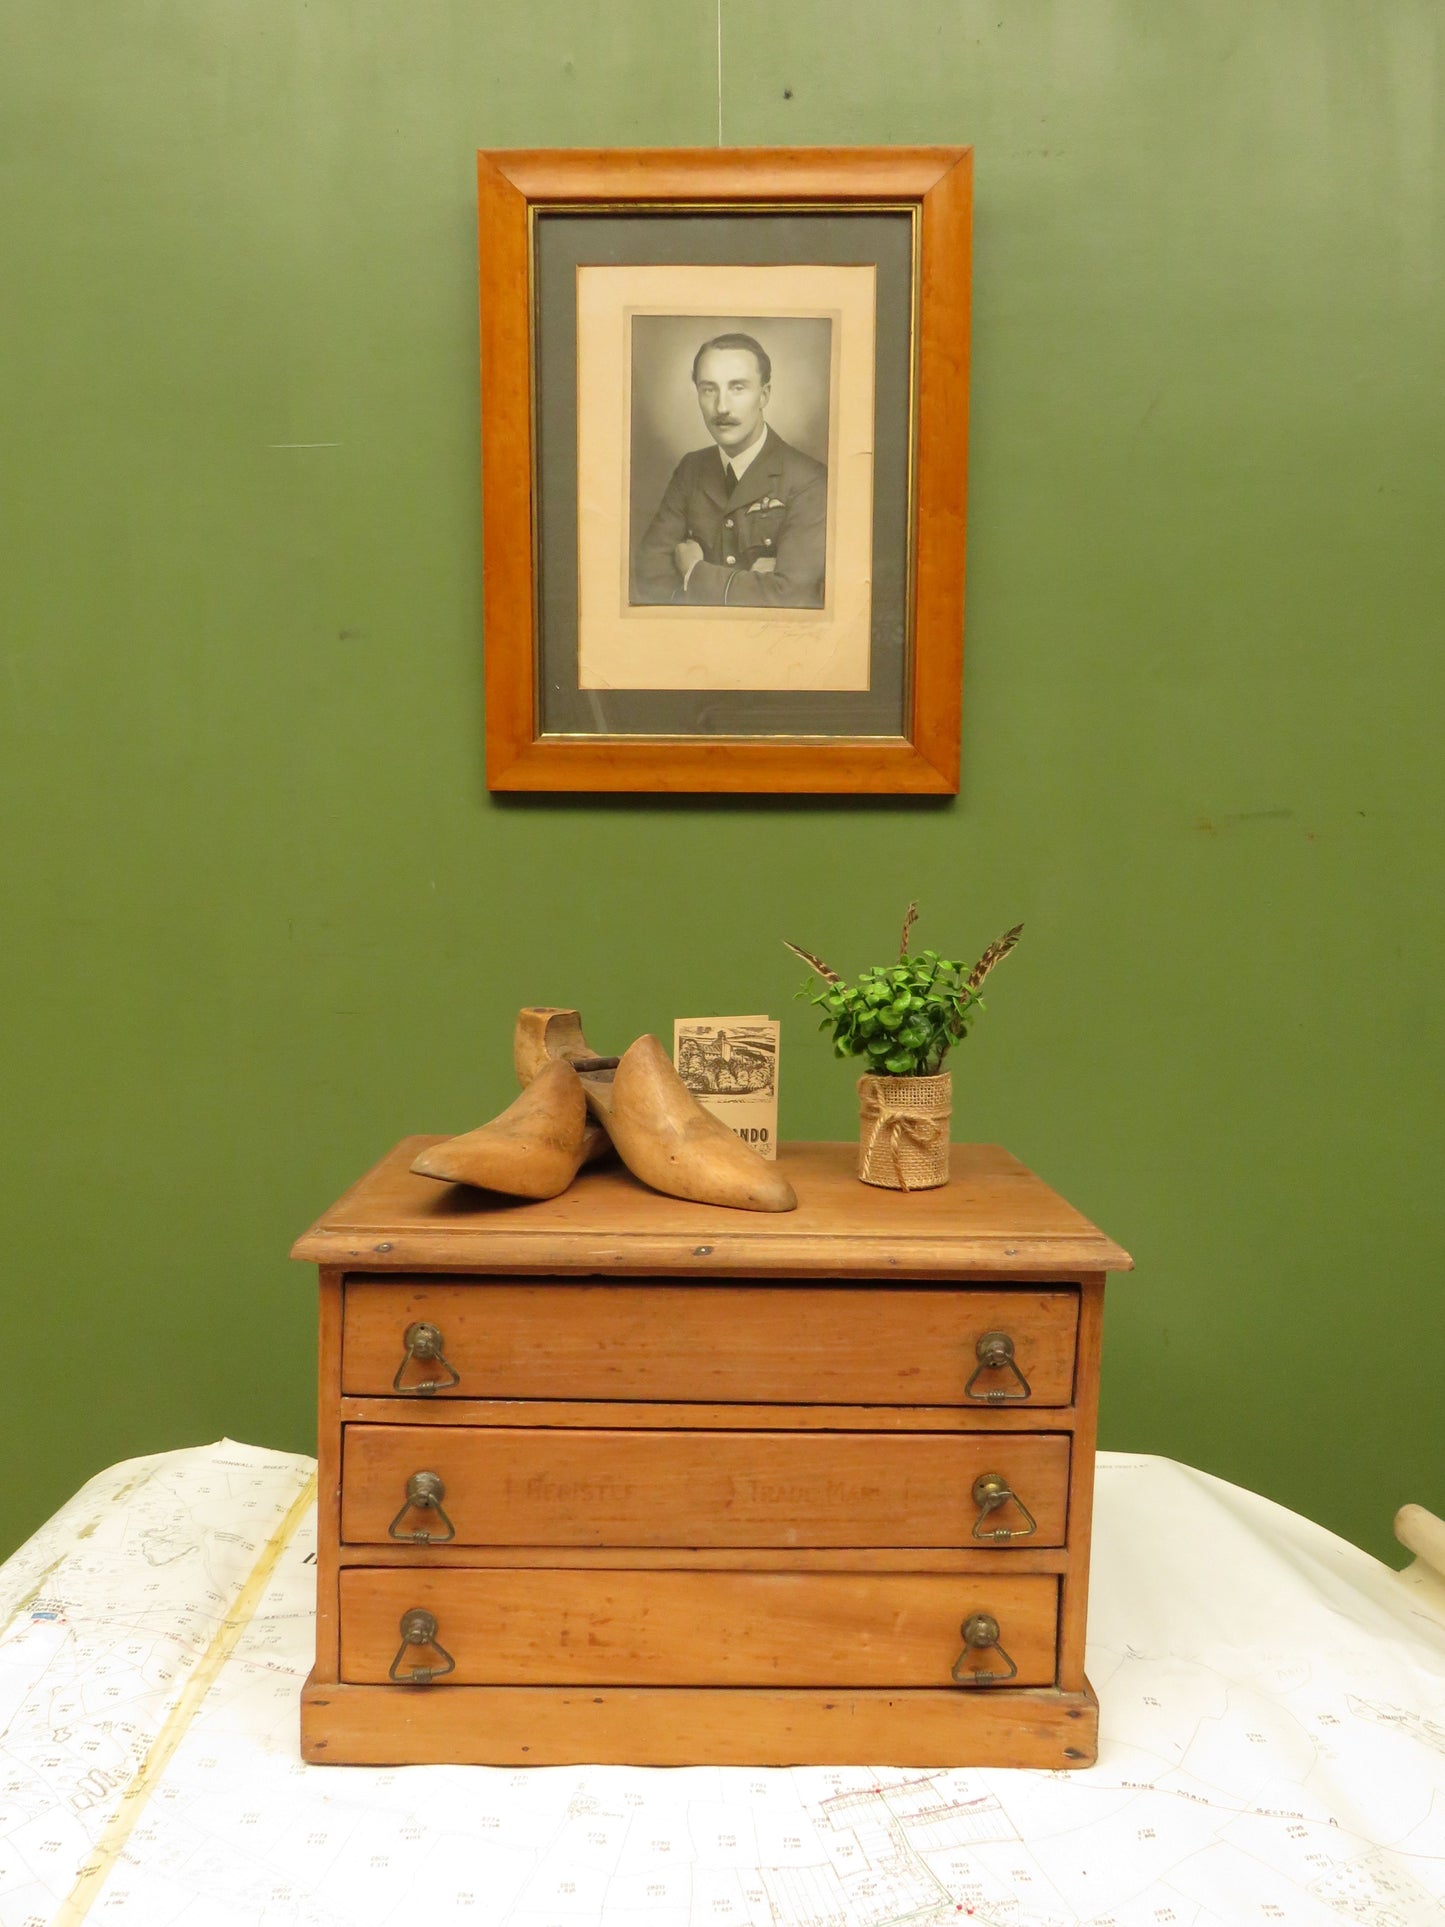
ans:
(654, 571)
(796, 579)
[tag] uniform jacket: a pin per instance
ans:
(777, 510)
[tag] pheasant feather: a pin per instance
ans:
(814, 963)
(995, 954)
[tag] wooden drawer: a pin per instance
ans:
(713, 1629)
(705, 1486)
(580, 1486)
(710, 1343)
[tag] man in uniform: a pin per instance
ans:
(743, 522)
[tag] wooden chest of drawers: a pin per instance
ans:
(617, 1477)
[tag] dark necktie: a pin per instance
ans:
(732, 480)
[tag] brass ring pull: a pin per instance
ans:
(425, 1342)
(990, 1491)
(424, 1493)
(419, 1628)
(995, 1353)
(980, 1631)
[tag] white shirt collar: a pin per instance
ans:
(742, 463)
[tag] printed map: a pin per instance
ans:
(1274, 1751)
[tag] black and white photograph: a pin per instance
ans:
(725, 476)
(729, 460)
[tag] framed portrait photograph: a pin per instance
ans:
(724, 448)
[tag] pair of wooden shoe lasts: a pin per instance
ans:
(576, 1105)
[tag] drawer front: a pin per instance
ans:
(579, 1486)
(707, 1629)
(725, 1344)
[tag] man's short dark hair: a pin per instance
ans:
(765, 366)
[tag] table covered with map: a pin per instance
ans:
(1272, 1749)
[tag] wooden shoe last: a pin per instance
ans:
(639, 1104)
(666, 1138)
(547, 1033)
(532, 1150)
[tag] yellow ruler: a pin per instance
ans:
(132, 1804)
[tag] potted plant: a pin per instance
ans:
(903, 1019)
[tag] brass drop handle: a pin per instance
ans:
(425, 1342)
(424, 1493)
(419, 1628)
(980, 1631)
(995, 1353)
(990, 1491)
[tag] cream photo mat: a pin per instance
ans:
(710, 647)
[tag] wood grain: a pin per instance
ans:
(528, 1486)
(941, 475)
(754, 1344)
(658, 175)
(994, 1220)
(694, 1418)
(1014, 1559)
(550, 1628)
(691, 1726)
(774, 1534)
(512, 187)
(1074, 1601)
(506, 395)
(330, 1308)
(882, 766)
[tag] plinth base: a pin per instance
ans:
(695, 1726)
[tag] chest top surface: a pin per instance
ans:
(994, 1217)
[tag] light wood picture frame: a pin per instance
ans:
(813, 305)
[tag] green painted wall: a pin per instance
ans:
(262, 917)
